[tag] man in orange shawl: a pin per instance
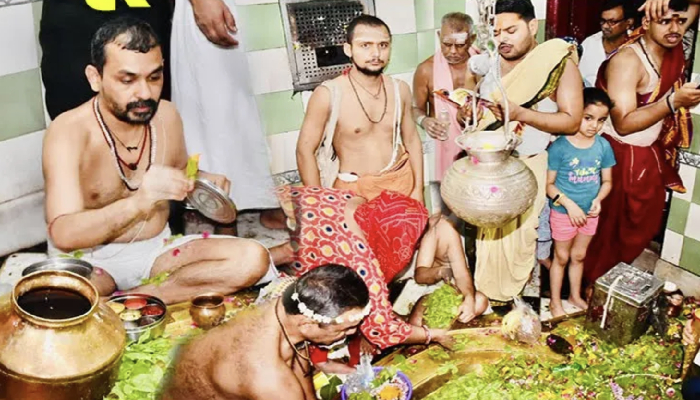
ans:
(648, 123)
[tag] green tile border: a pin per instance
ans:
(442, 7)
(425, 44)
(695, 198)
(263, 27)
(695, 143)
(678, 215)
(21, 104)
(404, 54)
(280, 111)
(690, 255)
(541, 30)
(36, 14)
(424, 14)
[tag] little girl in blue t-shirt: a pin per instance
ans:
(579, 177)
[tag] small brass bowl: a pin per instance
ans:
(208, 310)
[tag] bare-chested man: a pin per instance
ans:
(262, 353)
(111, 166)
(446, 70)
(441, 258)
(363, 117)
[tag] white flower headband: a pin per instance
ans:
(323, 319)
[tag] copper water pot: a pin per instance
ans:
(58, 359)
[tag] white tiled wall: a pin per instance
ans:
(18, 46)
(672, 248)
(398, 14)
(267, 75)
(283, 151)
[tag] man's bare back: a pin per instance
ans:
(229, 362)
(262, 353)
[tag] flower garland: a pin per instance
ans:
(324, 319)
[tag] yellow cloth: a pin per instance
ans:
(505, 256)
(535, 77)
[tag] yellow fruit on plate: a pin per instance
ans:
(116, 307)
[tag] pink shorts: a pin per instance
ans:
(563, 229)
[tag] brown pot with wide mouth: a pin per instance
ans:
(57, 341)
(208, 310)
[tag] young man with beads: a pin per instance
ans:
(112, 164)
(358, 133)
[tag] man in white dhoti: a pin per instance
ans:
(212, 91)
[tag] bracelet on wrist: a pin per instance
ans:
(428, 335)
(669, 102)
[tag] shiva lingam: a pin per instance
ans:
(57, 341)
(489, 187)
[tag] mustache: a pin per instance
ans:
(150, 103)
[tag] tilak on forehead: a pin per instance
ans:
(457, 37)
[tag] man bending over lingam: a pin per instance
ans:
(263, 352)
(112, 165)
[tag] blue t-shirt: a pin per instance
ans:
(578, 170)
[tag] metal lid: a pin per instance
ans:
(80, 267)
(635, 286)
(212, 202)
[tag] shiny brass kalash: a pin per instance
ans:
(57, 341)
(489, 187)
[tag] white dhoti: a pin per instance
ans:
(212, 90)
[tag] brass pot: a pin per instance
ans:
(489, 187)
(208, 310)
(72, 358)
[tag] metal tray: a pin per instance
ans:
(80, 267)
(212, 202)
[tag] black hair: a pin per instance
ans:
(328, 290)
(139, 36)
(592, 95)
(678, 5)
(629, 10)
(524, 8)
(363, 19)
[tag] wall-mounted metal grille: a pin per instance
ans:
(315, 33)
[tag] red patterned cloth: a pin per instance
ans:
(321, 236)
(392, 224)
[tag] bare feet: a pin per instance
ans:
(282, 254)
(273, 219)
(579, 302)
(557, 309)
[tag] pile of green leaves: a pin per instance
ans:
(597, 370)
(144, 365)
(442, 307)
